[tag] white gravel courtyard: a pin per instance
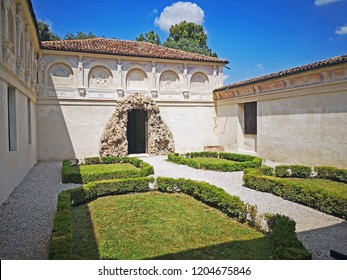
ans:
(27, 216)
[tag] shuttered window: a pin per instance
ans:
(250, 110)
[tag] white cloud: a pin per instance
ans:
(179, 12)
(225, 77)
(342, 30)
(259, 67)
(324, 2)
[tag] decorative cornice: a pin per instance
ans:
(317, 76)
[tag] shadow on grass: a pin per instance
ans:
(85, 246)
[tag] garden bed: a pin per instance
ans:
(166, 225)
(325, 191)
(94, 169)
(225, 162)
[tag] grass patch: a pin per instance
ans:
(161, 226)
(211, 160)
(105, 168)
(336, 189)
(102, 168)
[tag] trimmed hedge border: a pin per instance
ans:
(282, 230)
(260, 180)
(207, 193)
(61, 239)
(287, 245)
(243, 161)
(331, 173)
(68, 176)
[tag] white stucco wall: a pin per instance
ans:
(192, 127)
(72, 131)
(14, 165)
(309, 129)
(230, 130)
(301, 118)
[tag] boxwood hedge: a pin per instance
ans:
(286, 244)
(60, 247)
(238, 162)
(71, 174)
(314, 197)
(209, 194)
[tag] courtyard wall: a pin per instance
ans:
(301, 117)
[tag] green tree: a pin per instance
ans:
(45, 32)
(189, 36)
(79, 35)
(149, 37)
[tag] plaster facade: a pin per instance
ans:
(78, 94)
(301, 118)
(18, 45)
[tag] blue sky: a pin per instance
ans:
(257, 37)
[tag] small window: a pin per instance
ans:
(12, 119)
(29, 120)
(250, 110)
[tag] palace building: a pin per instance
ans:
(82, 98)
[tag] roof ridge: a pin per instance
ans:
(126, 47)
(290, 71)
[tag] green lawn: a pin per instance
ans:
(335, 188)
(161, 226)
(102, 168)
(211, 160)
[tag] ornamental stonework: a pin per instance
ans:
(114, 141)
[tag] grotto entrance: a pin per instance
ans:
(137, 131)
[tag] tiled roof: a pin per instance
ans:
(125, 48)
(295, 70)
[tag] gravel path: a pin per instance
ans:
(27, 216)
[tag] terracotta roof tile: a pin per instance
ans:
(295, 70)
(125, 48)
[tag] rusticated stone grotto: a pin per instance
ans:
(114, 138)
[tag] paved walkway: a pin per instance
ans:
(27, 216)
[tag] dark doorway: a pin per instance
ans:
(137, 132)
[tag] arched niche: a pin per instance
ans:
(199, 81)
(60, 75)
(169, 81)
(137, 79)
(100, 77)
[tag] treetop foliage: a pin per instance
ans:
(46, 34)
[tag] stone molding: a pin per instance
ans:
(114, 141)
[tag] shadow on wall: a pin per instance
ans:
(53, 136)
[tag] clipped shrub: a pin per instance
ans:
(282, 171)
(287, 245)
(209, 194)
(202, 154)
(60, 245)
(331, 173)
(314, 197)
(238, 162)
(109, 187)
(92, 160)
(266, 170)
(300, 171)
(73, 174)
